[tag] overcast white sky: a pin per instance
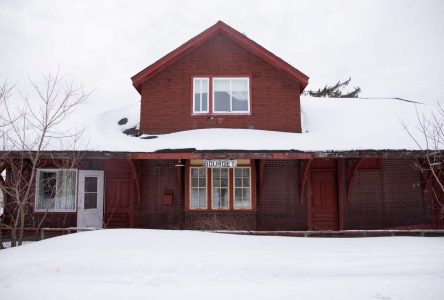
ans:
(390, 48)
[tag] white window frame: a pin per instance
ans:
(208, 95)
(231, 95)
(234, 189)
(37, 191)
(191, 189)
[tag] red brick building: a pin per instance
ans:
(222, 80)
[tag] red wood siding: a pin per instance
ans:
(167, 97)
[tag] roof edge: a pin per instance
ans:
(202, 37)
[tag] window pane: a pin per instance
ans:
(221, 95)
(194, 198)
(246, 182)
(194, 172)
(202, 182)
(48, 185)
(65, 189)
(224, 197)
(224, 172)
(238, 182)
(195, 182)
(197, 102)
(204, 94)
(202, 198)
(90, 200)
(90, 184)
(239, 92)
(197, 93)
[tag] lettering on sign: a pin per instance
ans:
(220, 163)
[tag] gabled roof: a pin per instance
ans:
(234, 35)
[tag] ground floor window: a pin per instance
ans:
(198, 188)
(56, 190)
(220, 188)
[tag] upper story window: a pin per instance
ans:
(227, 95)
(200, 93)
(231, 95)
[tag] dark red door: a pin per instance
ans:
(324, 200)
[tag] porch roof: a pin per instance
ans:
(329, 126)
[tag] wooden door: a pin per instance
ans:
(324, 200)
(119, 201)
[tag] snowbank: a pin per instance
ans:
(155, 264)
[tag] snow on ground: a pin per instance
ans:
(156, 264)
(327, 125)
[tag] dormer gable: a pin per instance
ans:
(229, 32)
(220, 79)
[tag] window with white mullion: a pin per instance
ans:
(242, 188)
(220, 187)
(200, 95)
(198, 197)
(231, 95)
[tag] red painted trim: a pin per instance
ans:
(231, 189)
(351, 176)
(229, 32)
(340, 194)
(304, 179)
(216, 155)
(135, 178)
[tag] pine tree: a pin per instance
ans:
(336, 91)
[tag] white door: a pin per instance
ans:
(90, 208)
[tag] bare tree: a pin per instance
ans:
(429, 137)
(30, 127)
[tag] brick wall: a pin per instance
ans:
(280, 208)
(158, 177)
(167, 97)
(387, 197)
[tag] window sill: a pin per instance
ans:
(209, 115)
(222, 210)
(42, 211)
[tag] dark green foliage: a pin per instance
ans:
(335, 91)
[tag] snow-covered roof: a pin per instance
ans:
(327, 125)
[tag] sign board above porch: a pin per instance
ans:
(219, 164)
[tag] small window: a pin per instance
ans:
(56, 190)
(242, 188)
(231, 95)
(198, 197)
(200, 94)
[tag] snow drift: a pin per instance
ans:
(156, 264)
